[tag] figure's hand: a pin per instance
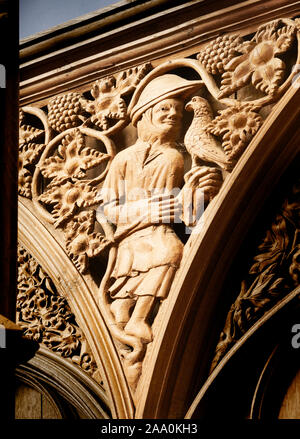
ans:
(208, 179)
(162, 209)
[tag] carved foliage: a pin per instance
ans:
(67, 193)
(107, 107)
(72, 161)
(46, 317)
(274, 273)
(233, 63)
(82, 242)
(259, 63)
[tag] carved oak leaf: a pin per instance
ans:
(258, 62)
(67, 198)
(72, 161)
(81, 240)
(236, 125)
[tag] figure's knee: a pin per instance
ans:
(121, 309)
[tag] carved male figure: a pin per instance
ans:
(136, 198)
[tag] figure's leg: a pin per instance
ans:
(137, 324)
(121, 309)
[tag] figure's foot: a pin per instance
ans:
(139, 328)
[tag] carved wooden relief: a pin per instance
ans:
(113, 170)
(275, 272)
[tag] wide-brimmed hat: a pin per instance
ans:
(163, 87)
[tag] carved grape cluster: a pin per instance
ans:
(64, 111)
(219, 52)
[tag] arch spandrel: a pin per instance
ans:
(81, 145)
(195, 290)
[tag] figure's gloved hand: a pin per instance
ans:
(202, 183)
(208, 179)
(162, 209)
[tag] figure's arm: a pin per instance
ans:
(133, 215)
(202, 183)
(136, 215)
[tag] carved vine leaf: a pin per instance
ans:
(274, 273)
(259, 63)
(128, 80)
(28, 133)
(29, 153)
(66, 194)
(236, 125)
(72, 161)
(46, 317)
(81, 242)
(109, 104)
(72, 109)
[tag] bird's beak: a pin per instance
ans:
(188, 106)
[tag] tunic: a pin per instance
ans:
(148, 255)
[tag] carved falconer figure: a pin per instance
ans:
(136, 199)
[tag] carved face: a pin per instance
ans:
(167, 113)
(162, 122)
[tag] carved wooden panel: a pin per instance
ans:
(120, 174)
(273, 274)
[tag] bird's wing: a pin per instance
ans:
(204, 146)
